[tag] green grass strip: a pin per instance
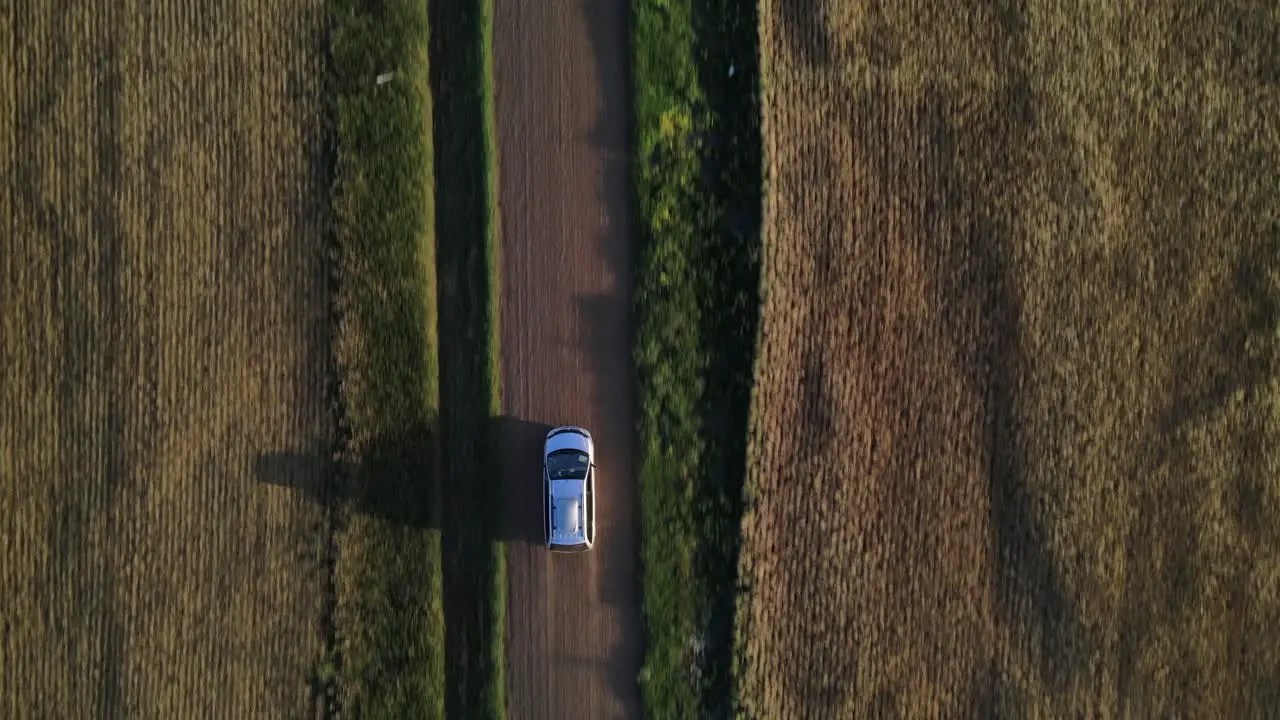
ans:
(496, 695)
(697, 180)
(389, 610)
(467, 228)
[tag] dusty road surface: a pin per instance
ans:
(572, 620)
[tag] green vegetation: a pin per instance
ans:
(408, 581)
(466, 223)
(389, 615)
(697, 178)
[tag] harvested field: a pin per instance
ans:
(1015, 437)
(165, 342)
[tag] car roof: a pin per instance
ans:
(568, 498)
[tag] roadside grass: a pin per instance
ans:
(420, 594)
(697, 158)
(389, 611)
(467, 236)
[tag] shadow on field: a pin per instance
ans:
(394, 482)
(1242, 317)
(982, 311)
(85, 311)
(953, 194)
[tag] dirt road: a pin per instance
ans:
(561, 84)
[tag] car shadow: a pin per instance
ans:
(394, 482)
(519, 443)
(310, 473)
(396, 479)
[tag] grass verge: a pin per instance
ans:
(698, 184)
(466, 228)
(389, 612)
(419, 362)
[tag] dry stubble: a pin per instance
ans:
(165, 329)
(867, 535)
(1014, 433)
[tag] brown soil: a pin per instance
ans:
(572, 621)
(165, 331)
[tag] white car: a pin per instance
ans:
(568, 490)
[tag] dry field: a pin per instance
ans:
(1016, 431)
(164, 358)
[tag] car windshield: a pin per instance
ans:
(567, 465)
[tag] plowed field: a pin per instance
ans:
(1016, 432)
(165, 340)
